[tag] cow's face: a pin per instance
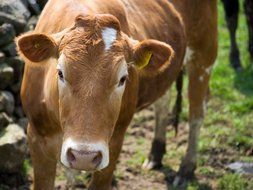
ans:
(92, 60)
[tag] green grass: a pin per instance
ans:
(229, 119)
(27, 166)
(232, 182)
(232, 92)
(230, 112)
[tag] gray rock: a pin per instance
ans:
(25, 2)
(15, 88)
(4, 120)
(241, 167)
(6, 75)
(18, 23)
(2, 57)
(15, 8)
(7, 34)
(12, 148)
(31, 23)
(34, 7)
(7, 103)
(23, 122)
(10, 49)
(19, 112)
(18, 65)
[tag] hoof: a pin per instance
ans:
(235, 61)
(150, 164)
(186, 171)
(185, 174)
(179, 182)
(154, 160)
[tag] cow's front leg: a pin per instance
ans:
(102, 180)
(44, 167)
(158, 149)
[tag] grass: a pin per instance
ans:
(27, 166)
(232, 92)
(230, 114)
(228, 123)
(232, 182)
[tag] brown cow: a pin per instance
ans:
(91, 64)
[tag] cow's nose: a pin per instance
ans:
(83, 155)
(84, 160)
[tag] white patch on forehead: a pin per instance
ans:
(109, 36)
(188, 55)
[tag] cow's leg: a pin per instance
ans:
(199, 72)
(102, 180)
(158, 149)
(44, 167)
(248, 7)
(231, 10)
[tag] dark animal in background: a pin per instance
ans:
(42, 3)
(231, 10)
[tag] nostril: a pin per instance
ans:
(97, 159)
(70, 156)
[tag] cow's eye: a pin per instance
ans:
(122, 80)
(60, 74)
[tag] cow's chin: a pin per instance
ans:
(84, 156)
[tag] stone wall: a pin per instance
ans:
(16, 17)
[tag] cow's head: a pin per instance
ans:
(92, 60)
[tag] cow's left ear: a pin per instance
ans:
(36, 47)
(152, 56)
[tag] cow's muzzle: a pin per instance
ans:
(84, 156)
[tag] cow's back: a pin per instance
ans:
(195, 25)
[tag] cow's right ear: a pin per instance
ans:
(36, 47)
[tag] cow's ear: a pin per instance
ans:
(152, 56)
(36, 47)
